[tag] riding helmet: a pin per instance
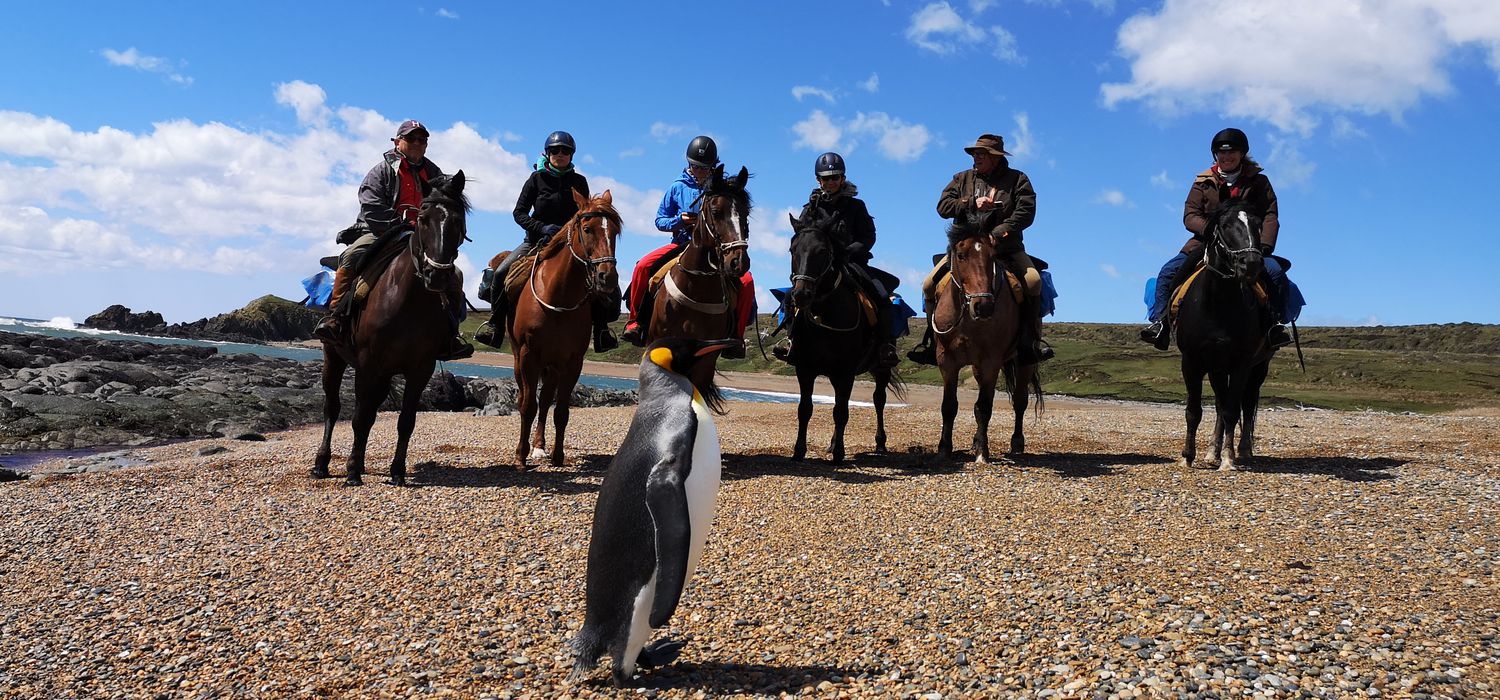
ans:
(1231, 139)
(703, 152)
(829, 164)
(560, 138)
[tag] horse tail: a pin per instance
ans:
(1034, 385)
(896, 384)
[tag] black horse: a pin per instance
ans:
(1221, 331)
(833, 336)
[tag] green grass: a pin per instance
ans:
(1426, 369)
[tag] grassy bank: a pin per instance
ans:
(1427, 369)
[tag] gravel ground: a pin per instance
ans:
(1358, 560)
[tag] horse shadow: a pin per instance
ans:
(579, 476)
(1084, 465)
(856, 471)
(736, 679)
(1355, 469)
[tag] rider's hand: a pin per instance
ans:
(984, 203)
(550, 230)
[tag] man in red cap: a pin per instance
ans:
(389, 199)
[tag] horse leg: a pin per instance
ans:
(1192, 378)
(842, 387)
(333, 380)
(805, 380)
(560, 416)
(411, 397)
(984, 407)
(1018, 378)
(369, 392)
(882, 380)
(1249, 403)
(950, 407)
(545, 397)
(1227, 406)
(526, 381)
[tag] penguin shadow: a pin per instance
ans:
(1084, 465)
(857, 470)
(1355, 469)
(581, 474)
(740, 679)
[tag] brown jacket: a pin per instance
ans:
(1209, 190)
(1012, 193)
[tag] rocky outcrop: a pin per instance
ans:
(120, 318)
(72, 393)
(269, 319)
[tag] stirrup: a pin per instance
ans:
(1277, 336)
(458, 349)
(330, 329)
(604, 341)
(735, 351)
(632, 335)
(486, 334)
(922, 355)
(783, 350)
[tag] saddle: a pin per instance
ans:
(369, 269)
(519, 273)
(1181, 291)
(659, 279)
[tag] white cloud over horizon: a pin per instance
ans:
(896, 139)
(446, 13)
(939, 28)
(802, 91)
(871, 84)
(131, 58)
(1114, 198)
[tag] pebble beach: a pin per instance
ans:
(1357, 558)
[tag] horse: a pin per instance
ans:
(551, 319)
(402, 330)
(828, 324)
(1221, 331)
(977, 324)
(695, 299)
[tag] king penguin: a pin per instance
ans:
(653, 513)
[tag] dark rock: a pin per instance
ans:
(207, 450)
(10, 475)
(267, 319)
(119, 318)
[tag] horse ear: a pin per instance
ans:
(793, 218)
(741, 178)
(607, 197)
(580, 200)
(456, 184)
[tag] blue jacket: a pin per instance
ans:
(682, 196)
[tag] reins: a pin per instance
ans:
(590, 288)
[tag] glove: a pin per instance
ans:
(856, 250)
(1266, 249)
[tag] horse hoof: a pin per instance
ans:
(318, 472)
(398, 482)
(354, 481)
(1184, 463)
(537, 456)
(1226, 465)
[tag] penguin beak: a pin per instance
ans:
(714, 346)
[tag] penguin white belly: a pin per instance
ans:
(702, 485)
(640, 623)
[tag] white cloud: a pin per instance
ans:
(1021, 143)
(802, 91)
(817, 132)
(1312, 58)
(633, 152)
(661, 131)
(1005, 45)
(1110, 270)
(446, 13)
(940, 29)
(131, 58)
(1344, 128)
(1286, 164)
(306, 99)
(1114, 198)
(772, 237)
(978, 6)
(871, 84)
(898, 140)
(1163, 181)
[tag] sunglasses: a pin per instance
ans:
(414, 139)
(555, 150)
(830, 178)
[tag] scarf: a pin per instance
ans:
(545, 163)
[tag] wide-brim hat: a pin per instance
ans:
(410, 126)
(988, 143)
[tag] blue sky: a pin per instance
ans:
(189, 157)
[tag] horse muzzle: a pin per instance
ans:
(982, 307)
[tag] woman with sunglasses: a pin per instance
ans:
(544, 207)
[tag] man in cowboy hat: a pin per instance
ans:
(992, 185)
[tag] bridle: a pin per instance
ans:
(723, 249)
(1218, 250)
(970, 299)
(590, 287)
(822, 291)
(425, 266)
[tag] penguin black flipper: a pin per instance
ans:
(666, 499)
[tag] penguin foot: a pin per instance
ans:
(660, 653)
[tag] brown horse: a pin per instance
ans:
(402, 329)
(977, 324)
(695, 300)
(549, 327)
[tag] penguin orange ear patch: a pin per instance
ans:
(662, 357)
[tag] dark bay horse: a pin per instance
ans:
(833, 337)
(694, 300)
(1221, 331)
(977, 324)
(551, 322)
(402, 329)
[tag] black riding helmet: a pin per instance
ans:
(829, 164)
(702, 151)
(1230, 139)
(560, 138)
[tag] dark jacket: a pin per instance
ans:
(1209, 191)
(548, 199)
(1010, 188)
(377, 194)
(855, 222)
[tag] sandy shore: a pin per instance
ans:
(1356, 560)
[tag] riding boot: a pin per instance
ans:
(604, 339)
(492, 332)
(331, 328)
(924, 353)
(1157, 334)
(1029, 344)
(458, 349)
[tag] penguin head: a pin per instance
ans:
(681, 355)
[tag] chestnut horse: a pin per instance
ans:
(977, 324)
(402, 329)
(549, 327)
(694, 300)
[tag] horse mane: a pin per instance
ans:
(558, 241)
(436, 189)
(723, 186)
(820, 226)
(970, 225)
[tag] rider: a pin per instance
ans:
(677, 215)
(389, 200)
(993, 185)
(1234, 176)
(544, 207)
(836, 195)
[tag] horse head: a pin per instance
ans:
(724, 220)
(594, 231)
(974, 262)
(441, 229)
(1232, 250)
(815, 254)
